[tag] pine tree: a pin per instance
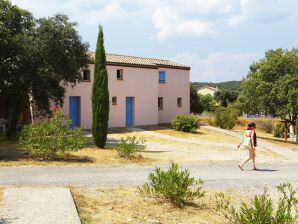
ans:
(100, 95)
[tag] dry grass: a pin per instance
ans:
(126, 205)
(10, 155)
(201, 134)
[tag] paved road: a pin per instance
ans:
(215, 176)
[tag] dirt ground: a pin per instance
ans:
(164, 145)
(126, 205)
(10, 155)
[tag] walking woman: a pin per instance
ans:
(249, 141)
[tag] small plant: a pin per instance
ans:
(278, 131)
(174, 185)
(50, 137)
(262, 208)
(186, 123)
(128, 146)
(225, 117)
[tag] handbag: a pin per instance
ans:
(247, 140)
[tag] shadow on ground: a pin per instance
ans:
(9, 151)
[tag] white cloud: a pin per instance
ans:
(170, 18)
(170, 24)
(263, 11)
(219, 66)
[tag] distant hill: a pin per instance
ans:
(229, 85)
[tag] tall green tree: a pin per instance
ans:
(200, 103)
(100, 94)
(224, 97)
(196, 105)
(38, 58)
(271, 85)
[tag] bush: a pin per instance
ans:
(186, 123)
(278, 131)
(128, 146)
(174, 185)
(262, 208)
(225, 117)
(51, 137)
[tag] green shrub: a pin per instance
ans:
(128, 146)
(186, 123)
(174, 185)
(225, 117)
(279, 131)
(262, 209)
(51, 137)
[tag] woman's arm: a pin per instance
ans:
(241, 141)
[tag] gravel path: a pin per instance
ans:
(262, 144)
(190, 149)
(215, 176)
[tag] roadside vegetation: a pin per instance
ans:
(262, 208)
(130, 145)
(50, 138)
(174, 185)
(185, 123)
(172, 196)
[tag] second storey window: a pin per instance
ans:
(179, 102)
(86, 75)
(119, 74)
(162, 77)
(114, 100)
(160, 103)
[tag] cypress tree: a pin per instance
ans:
(100, 94)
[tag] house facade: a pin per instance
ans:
(142, 91)
(205, 90)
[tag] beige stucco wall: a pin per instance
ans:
(176, 85)
(142, 84)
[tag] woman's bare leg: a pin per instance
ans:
(251, 153)
(254, 159)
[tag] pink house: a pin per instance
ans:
(143, 91)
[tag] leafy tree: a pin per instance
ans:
(271, 85)
(208, 102)
(200, 103)
(100, 95)
(38, 58)
(196, 106)
(224, 97)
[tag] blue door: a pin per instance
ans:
(74, 106)
(129, 108)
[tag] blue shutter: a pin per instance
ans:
(162, 77)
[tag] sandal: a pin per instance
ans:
(240, 167)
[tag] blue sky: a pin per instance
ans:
(218, 39)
